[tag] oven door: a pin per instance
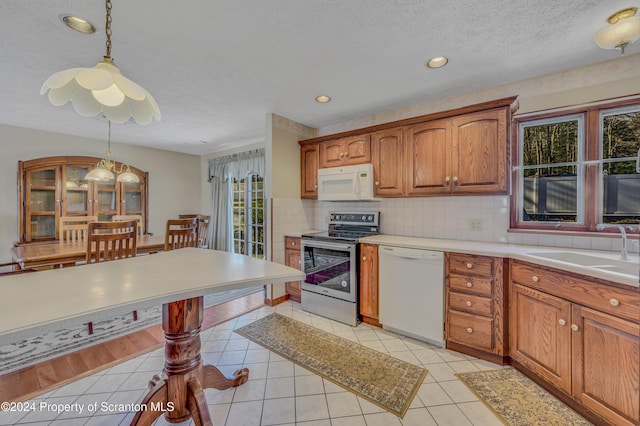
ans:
(330, 269)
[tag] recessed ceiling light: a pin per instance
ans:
(437, 62)
(323, 99)
(78, 24)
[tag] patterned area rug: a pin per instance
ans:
(385, 381)
(519, 401)
(24, 353)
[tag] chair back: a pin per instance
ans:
(74, 229)
(203, 228)
(125, 217)
(181, 233)
(111, 241)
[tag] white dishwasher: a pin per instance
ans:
(411, 292)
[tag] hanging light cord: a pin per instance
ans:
(107, 28)
(109, 141)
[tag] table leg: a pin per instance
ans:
(179, 393)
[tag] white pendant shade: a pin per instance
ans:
(128, 177)
(102, 89)
(100, 174)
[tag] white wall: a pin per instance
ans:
(174, 178)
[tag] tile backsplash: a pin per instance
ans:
(470, 218)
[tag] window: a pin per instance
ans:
(578, 168)
(248, 216)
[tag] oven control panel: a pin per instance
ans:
(354, 218)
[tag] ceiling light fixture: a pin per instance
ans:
(437, 62)
(102, 90)
(78, 24)
(323, 99)
(623, 30)
(105, 169)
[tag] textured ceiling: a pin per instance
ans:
(217, 67)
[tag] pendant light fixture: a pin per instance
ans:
(106, 168)
(102, 90)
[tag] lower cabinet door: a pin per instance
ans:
(606, 365)
(541, 335)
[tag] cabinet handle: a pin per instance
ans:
(562, 322)
(535, 279)
(469, 303)
(469, 265)
(469, 330)
(364, 257)
(574, 327)
(469, 284)
(614, 302)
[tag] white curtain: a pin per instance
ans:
(222, 170)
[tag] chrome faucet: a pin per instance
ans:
(623, 233)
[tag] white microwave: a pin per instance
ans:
(347, 183)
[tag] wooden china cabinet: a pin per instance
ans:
(52, 187)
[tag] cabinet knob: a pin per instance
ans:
(614, 302)
(562, 322)
(469, 303)
(455, 179)
(293, 243)
(535, 279)
(364, 257)
(469, 284)
(469, 265)
(469, 330)
(315, 186)
(575, 327)
(341, 154)
(346, 154)
(447, 179)
(377, 183)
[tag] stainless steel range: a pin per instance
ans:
(330, 262)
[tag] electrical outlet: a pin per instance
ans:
(475, 225)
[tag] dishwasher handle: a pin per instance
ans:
(409, 254)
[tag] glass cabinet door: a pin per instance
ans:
(105, 202)
(132, 201)
(76, 189)
(43, 199)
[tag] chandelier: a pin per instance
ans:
(102, 90)
(106, 168)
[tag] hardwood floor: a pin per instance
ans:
(32, 381)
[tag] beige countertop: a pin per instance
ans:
(520, 252)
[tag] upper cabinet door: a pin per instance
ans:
(309, 159)
(429, 157)
(388, 162)
(346, 151)
(42, 203)
(480, 158)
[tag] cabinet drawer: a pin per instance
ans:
(471, 284)
(470, 303)
(470, 330)
(582, 290)
(292, 243)
(471, 264)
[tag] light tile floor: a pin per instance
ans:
(278, 392)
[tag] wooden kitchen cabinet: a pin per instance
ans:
(387, 156)
(369, 284)
(476, 306)
(309, 162)
(581, 336)
(52, 187)
(346, 151)
(292, 258)
(462, 154)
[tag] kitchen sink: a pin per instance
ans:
(603, 263)
(575, 258)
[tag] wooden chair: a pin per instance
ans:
(181, 233)
(109, 241)
(203, 228)
(73, 229)
(125, 217)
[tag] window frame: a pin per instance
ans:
(247, 193)
(589, 159)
